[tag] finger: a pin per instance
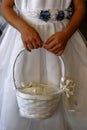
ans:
(26, 46)
(51, 45)
(59, 52)
(49, 40)
(58, 49)
(39, 42)
(54, 49)
(29, 44)
(60, 45)
(34, 44)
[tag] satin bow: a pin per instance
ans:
(68, 86)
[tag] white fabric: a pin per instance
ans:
(42, 66)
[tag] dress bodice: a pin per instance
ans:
(26, 5)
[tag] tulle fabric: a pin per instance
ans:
(74, 57)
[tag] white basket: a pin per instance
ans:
(37, 106)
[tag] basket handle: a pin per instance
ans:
(21, 51)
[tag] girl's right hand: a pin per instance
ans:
(31, 38)
(29, 35)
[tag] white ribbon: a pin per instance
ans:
(67, 85)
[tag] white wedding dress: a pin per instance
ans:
(74, 57)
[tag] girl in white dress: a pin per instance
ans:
(45, 38)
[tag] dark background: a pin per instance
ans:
(83, 27)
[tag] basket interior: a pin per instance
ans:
(35, 67)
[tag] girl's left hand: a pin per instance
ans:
(57, 43)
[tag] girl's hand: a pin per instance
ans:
(57, 43)
(31, 38)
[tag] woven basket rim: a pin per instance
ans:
(36, 97)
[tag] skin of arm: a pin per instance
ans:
(29, 35)
(57, 42)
